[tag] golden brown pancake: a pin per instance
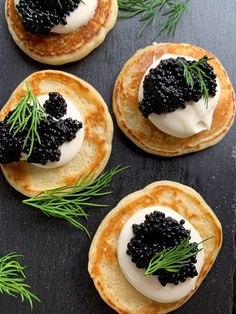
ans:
(96, 148)
(141, 131)
(103, 265)
(63, 48)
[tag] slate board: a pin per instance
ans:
(56, 254)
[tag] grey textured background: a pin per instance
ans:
(56, 254)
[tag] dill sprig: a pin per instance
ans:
(170, 11)
(67, 202)
(71, 2)
(193, 72)
(172, 260)
(59, 3)
(12, 279)
(27, 115)
(173, 14)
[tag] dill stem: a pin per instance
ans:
(67, 202)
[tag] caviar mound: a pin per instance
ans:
(155, 234)
(165, 88)
(98, 132)
(39, 16)
(141, 131)
(56, 105)
(58, 49)
(51, 132)
(103, 263)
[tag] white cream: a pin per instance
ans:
(182, 123)
(150, 285)
(79, 17)
(68, 149)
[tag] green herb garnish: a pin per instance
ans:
(193, 72)
(67, 202)
(60, 5)
(173, 14)
(151, 10)
(71, 2)
(27, 115)
(172, 260)
(12, 279)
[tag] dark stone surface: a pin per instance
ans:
(56, 254)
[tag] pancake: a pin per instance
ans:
(96, 148)
(103, 265)
(141, 131)
(63, 48)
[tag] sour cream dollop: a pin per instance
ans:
(79, 17)
(150, 285)
(68, 149)
(182, 123)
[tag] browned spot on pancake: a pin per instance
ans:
(141, 131)
(15, 172)
(104, 268)
(17, 175)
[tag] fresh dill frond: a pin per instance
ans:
(172, 260)
(168, 12)
(28, 114)
(173, 15)
(67, 202)
(59, 3)
(12, 279)
(194, 71)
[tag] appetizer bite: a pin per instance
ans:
(60, 31)
(173, 99)
(153, 250)
(55, 129)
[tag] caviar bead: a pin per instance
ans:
(165, 88)
(152, 236)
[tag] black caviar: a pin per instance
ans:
(152, 236)
(10, 148)
(55, 105)
(165, 88)
(39, 16)
(52, 132)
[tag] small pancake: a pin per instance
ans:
(63, 48)
(96, 148)
(103, 265)
(141, 131)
